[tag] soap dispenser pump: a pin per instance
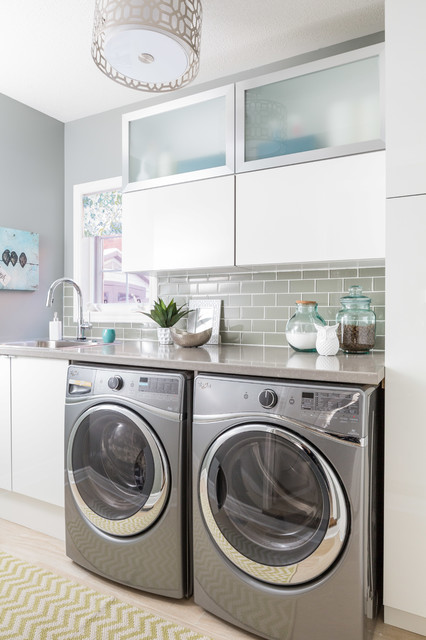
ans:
(55, 328)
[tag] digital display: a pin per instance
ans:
(308, 400)
(168, 386)
(347, 404)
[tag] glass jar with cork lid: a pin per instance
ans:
(301, 329)
(357, 322)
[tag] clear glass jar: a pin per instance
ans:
(357, 322)
(301, 331)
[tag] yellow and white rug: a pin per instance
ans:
(36, 604)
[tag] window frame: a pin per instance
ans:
(84, 266)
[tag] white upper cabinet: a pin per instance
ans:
(405, 97)
(182, 226)
(321, 109)
(309, 170)
(317, 211)
(179, 140)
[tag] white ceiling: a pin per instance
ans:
(46, 60)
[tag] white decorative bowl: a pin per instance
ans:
(186, 339)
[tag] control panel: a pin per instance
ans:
(157, 389)
(331, 408)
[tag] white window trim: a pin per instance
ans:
(100, 312)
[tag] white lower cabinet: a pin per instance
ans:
(313, 212)
(183, 226)
(37, 417)
(5, 426)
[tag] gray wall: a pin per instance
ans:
(32, 197)
(92, 152)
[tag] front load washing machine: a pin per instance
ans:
(126, 476)
(286, 506)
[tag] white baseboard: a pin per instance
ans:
(34, 514)
(405, 620)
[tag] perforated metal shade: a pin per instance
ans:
(148, 45)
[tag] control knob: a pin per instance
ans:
(115, 383)
(268, 398)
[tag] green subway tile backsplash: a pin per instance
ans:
(257, 304)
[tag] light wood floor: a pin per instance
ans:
(49, 553)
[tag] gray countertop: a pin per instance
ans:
(275, 362)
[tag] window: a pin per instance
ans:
(109, 293)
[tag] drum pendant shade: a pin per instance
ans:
(148, 45)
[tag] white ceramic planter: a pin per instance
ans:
(164, 335)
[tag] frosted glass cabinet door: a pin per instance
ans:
(183, 226)
(312, 212)
(321, 109)
(179, 140)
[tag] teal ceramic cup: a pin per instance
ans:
(108, 335)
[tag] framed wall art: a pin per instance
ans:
(19, 260)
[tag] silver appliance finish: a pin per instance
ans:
(286, 507)
(126, 476)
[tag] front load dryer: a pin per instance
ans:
(126, 476)
(286, 506)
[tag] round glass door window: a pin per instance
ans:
(117, 470)
(274, 506)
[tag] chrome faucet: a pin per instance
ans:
(82, 325)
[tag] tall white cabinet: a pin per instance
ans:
(405, 97)
(405, 476)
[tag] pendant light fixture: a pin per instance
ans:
(149, 45)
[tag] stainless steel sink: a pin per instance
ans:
(51, 344)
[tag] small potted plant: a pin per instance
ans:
(166, 316)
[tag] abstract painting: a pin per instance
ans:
(19, 260)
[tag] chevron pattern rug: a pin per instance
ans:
(36, 604)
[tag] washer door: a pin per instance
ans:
(117, 470)
(272, 504)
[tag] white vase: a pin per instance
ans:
(164, 335)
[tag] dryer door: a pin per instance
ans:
(273, 505)
(117, 470)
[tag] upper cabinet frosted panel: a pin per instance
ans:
(322, 109)
(187, 139)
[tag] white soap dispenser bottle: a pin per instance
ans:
(55, 328)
